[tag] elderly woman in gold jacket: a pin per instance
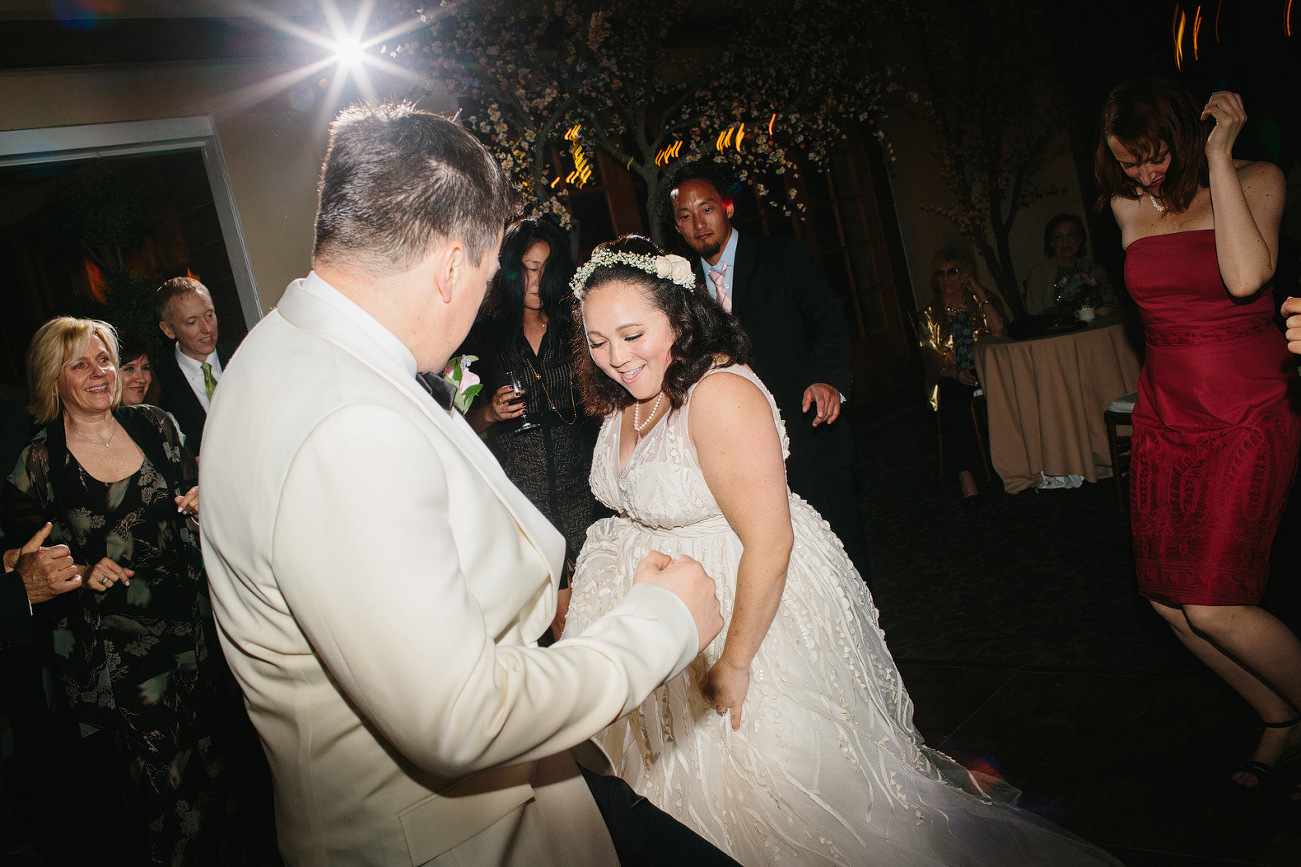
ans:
(947, 332)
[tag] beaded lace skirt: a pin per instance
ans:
(827, 767)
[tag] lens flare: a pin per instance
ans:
(346, 55)
(349, 53)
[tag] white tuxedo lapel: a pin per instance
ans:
(313, 315)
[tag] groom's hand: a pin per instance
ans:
(686, 579)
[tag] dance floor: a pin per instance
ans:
(1027, 652)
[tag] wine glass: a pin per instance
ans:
(518, 382)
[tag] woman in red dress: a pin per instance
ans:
(1215, 432)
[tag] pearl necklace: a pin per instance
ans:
(1156, 204)
(636, 407)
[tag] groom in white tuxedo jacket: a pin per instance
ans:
(378, 582)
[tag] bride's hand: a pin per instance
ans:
(562, 612)
(724, 689)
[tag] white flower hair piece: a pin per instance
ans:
(670, 267)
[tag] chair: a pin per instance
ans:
(980, 423)
(1117, 414)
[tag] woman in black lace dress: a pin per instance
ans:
(542, 438)
(133, 647)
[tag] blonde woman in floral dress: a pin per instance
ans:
(133, 647)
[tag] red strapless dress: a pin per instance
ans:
(1215, 428)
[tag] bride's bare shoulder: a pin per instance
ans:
(726, 390)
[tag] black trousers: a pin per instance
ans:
(961, 452)
(644, 835)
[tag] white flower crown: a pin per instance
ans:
(669, 267)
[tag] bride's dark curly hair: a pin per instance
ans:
(705, 334)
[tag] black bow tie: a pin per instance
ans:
(439, 389)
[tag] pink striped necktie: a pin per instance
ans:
(719, 276)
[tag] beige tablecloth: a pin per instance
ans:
(1046, 400)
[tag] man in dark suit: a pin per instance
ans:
(800, 334)
(41, 767)
(188, 376)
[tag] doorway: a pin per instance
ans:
(95, 217)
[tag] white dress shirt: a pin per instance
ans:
(193, 371)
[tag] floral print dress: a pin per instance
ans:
(135, 661)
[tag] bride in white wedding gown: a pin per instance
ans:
(790, 739)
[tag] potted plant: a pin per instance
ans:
(1078, 293)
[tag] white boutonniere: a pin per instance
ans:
(465, 381)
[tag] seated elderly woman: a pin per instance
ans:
(1064, 245)
(133, 646)
(947, 332)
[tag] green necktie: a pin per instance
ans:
(209, 381)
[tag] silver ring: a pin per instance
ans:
(722, 711)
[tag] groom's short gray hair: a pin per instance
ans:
(397, 181)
